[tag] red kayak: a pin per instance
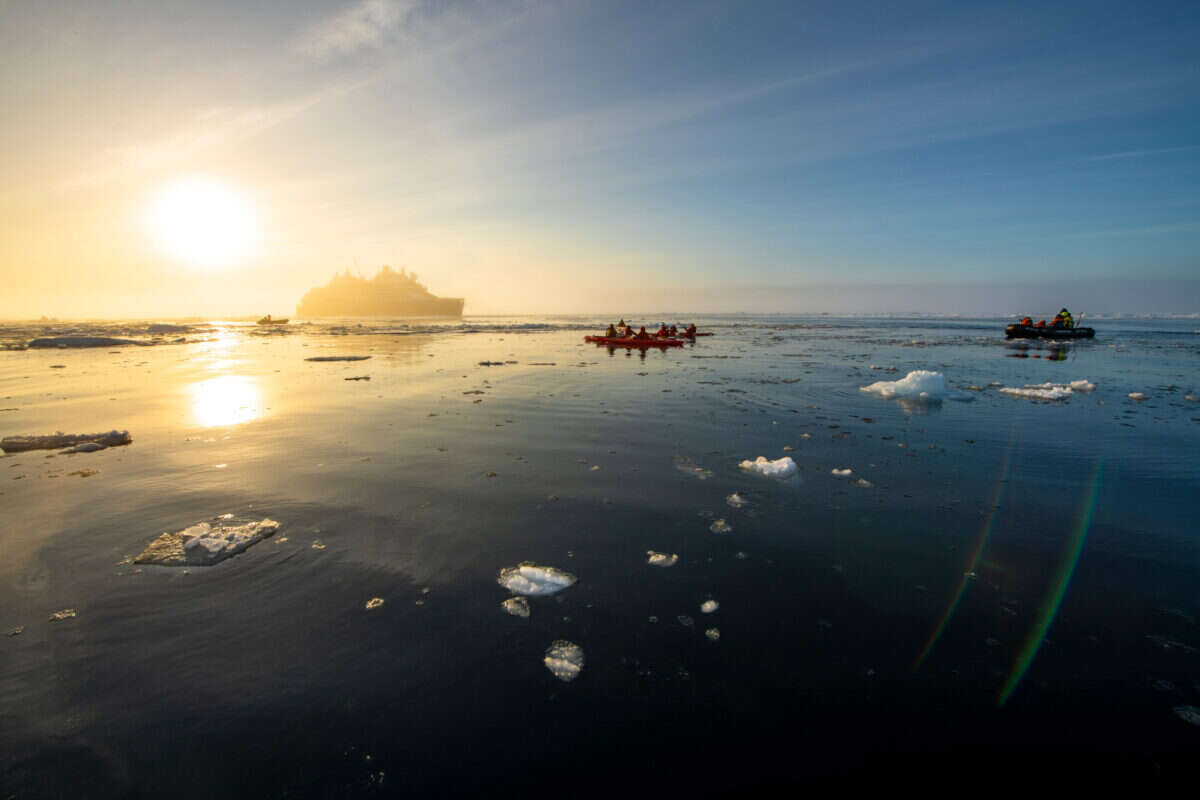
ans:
(629, 341)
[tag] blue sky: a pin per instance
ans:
(552, 156)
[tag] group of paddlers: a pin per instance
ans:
(622, 330)
(1062, 319)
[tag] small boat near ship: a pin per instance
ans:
(1018, 330)
(268, 321)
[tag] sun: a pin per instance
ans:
(203, 222)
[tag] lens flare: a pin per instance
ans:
(1056, 591)
(969, 572)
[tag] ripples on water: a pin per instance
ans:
(874, 608)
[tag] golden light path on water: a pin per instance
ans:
(1057, 589)
(226, 400)
(969, 572)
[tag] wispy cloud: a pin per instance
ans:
(1142, 153)
(367, 23)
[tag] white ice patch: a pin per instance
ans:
(689, 467)
(661, 559)
(713, 634)
(709, 606)
(374, 603)
(564, 659)
(842, 473)
(921, 385)
(205, 544)
(721, 526)
(532, 580)
(517, 606)
(54, 441)
(735, 500)
(1137, 396)
(1050, 391)
(779, 468)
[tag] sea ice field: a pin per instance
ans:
(482, 557)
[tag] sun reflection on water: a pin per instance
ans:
(226, 400)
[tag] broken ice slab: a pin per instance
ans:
(779, 468)
(533, 580)
(205, 544)
(54, 441)
(564, 659)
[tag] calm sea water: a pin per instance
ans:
(999, 587)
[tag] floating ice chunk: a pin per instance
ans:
(59, 616)
(1137, 396)
(842, 473)
(919, 385)
(205, 544)
(86, 447)
(374, 603)
(689, 467)
(779, 468)
(54, 441)
(661, 559)
(709, 606)
(713, 634)
(534, 581)
(721, 526)
(863, 483)
(337, 358)
(1189, 714)
(564, 659)
(517, 606)
(735, 500)
(1050, 391)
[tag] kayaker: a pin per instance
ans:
(642, 334)
(1040, 324)
(674, 331)
(663, 332)
(691, 329)
(1027, 321)
(611, 332)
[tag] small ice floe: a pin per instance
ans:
(1137, 396)
(17, 631)
(205, 544)
(689, 467)
(564, 659)
(779, 468)
(842, 473)
(59, 616)
(374, 603)
(735, 500)
(1189, 714)
(863, 483)
(661, 559)
(318, 544)
(337, 358)
(713, 634)
(534, 581)
(685, 620)
(709, 606)
(1191, 398)
(54, 441)
(1049, 391)
(517, 606)
(721, 526)
(919, 385)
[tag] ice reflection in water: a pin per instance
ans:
(226, 400)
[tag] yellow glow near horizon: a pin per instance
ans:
(203, 222)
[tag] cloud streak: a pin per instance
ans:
(366, 24)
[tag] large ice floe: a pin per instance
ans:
(564, 659)
(205, 543)
(77, 441)
(65, 342)
(533, 580)
(779, 468)
(920, 386)
(1049, 391)
(661, 559)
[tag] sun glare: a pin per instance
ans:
(204, 223)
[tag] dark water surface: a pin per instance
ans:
(849, 645)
